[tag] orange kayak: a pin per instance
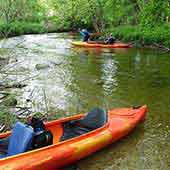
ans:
(120, 122)
(95, 45)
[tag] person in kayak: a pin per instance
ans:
(85, 34)
(110, 39)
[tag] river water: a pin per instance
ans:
(69, 80)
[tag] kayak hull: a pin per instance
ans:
(120, 123)
(95, 45)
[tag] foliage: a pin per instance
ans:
(10, 101)
(156, 35)
(19, 28)
(37, 16)
(6, 117)
(20, 10)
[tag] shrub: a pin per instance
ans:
(145, 35)
(19, 28)
(7, 118)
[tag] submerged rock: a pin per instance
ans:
(99, 82)
(2, 83)
(42, 66)
(3, 62)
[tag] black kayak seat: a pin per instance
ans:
(20, 140)
(94, 119)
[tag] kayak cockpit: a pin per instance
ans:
(22, 137)
(93, 120)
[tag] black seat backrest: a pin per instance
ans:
(94, 119)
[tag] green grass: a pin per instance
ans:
(20, 28)
(7, 118)
(10, 101)
(147, 36)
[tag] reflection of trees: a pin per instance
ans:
(143, 77)
(85, 75)
(88, 51)
(94, 79)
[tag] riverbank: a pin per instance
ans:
(157, 37)
(21, 28)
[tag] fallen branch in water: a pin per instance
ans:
(29, 98)
(2, 127)
(45, 100)
(24, 114)
(12, 73)
(28, 78)
(4, 93)
(18, 107)
(11, 66)
(2, 97)
(162, 47)
(16, 86)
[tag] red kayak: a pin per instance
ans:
(100, 45)
(101, 129)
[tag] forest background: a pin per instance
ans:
(140, 21)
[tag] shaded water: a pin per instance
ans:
(72, 80)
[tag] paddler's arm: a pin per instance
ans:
(82, 33)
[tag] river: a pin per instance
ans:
(69, 80)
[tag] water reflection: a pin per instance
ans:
(109, 70)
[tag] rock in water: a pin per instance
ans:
(41, 66)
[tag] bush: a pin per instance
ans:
(145, 35)
(19, 28)
(10, 101)
(7, 118)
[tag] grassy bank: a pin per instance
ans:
(159, 35)
(139, 35)
(20, 28)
